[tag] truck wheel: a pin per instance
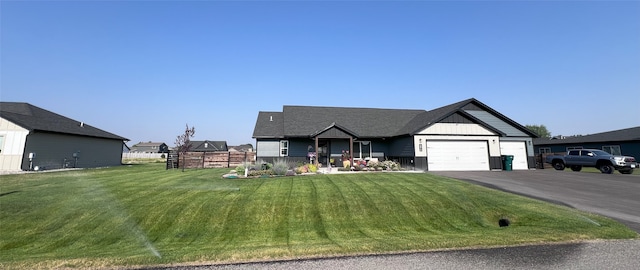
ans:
(629, 171)
(606, 169)
(576, 168)
(558, 165)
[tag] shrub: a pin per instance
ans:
(280, 167)
(240, 169)
(260, 172)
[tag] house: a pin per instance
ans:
(467, 135)
(618, 142)
(241, 148)
(208, 146)
(32, 138)
(150, 147)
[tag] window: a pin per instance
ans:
(1, 141)
(544, 150)
(612, 149)
(574, 147)
(574, 152)
(284, 148)
(362, 150)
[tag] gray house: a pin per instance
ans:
(618, 142)
(208, 146)
(149, 147)
(33, 138)
(467, 135)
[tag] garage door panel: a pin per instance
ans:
(457, 156)
(519, 152)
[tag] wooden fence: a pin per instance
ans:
(143, 155)
(192, 160)
(540, 158)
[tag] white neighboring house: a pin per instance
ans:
(33, 138)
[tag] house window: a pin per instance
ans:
(612, 149)
(284, 148)
(362, 149)
(574, 147)
(544, 150)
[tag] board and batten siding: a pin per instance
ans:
(11, 145)
(52, 149)
(508, 129)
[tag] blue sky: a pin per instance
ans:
(144, 69)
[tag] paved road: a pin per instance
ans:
(613, 195)
(618, 254)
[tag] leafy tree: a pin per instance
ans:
(183, 142)
(539, 130)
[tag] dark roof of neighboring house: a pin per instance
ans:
(242, 147)
(37, 119)
(305, 121)
(199, 146)
(628, 134)
(148, 144)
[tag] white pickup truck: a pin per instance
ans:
(605, 162)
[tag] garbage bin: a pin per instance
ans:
(507, 162)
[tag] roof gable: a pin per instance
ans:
(206, 146)
(37, 119)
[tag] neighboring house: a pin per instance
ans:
(617, 142)
(208, 146)
(150, 147)
(241, 148)
(34, 138)
(467, 135)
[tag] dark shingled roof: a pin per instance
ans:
(37, 119)
(198, 146)
(628, 134)
(308, 121)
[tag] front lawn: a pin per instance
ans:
(146, 215)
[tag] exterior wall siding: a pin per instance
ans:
(456, 129)
(497, 123)
(11, 145)
(55, 151)
(402, 147)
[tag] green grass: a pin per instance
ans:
(145, 215)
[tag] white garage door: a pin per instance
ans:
(457, 156)
(519, 152)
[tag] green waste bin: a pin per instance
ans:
(507, 162)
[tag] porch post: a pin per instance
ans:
(317, 155)
(351, 150)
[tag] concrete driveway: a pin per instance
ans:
(613, 195)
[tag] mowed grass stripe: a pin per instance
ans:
(131, 214)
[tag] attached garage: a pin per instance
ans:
(519, 152)
(457, 156)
